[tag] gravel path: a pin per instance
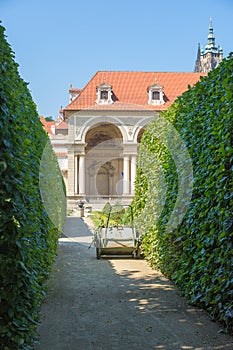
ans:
(120, 304)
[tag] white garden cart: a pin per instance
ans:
(117, 237)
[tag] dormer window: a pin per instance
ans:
(155, 95)
(104, 94)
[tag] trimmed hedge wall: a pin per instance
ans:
(28, 236)
(198, 253)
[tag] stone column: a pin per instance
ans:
(133, 172)
(71, 172)
(126, 175)
(76, 174)
(82, 174)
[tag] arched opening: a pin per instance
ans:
(104, 178)
(103, 160)
(101, 133)
(102, 181)
(141, 132)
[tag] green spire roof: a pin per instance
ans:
(211, 47)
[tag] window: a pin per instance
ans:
(155, 94)
(104, 94)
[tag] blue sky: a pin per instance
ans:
(57, 43)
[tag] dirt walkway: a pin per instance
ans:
(121, 304)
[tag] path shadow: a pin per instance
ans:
(117, 304)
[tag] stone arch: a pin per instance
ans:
(103, 159)
(102, 133)
(140, 133)
(93, 122)
(103, 179)
(140, 128)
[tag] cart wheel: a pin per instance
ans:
(98, 253)
(138, 254)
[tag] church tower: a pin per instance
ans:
(211, 56)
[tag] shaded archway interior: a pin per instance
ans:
(104, 164)
(102, 133)
(141, 132)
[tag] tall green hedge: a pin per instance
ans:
(196, 251)
(28, 235)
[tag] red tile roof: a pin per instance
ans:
(130, 89)
(61, 154)
(118, 106)
(47, 125)
(62, 125)
(74, 90)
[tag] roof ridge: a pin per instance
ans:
(130, 87)
(82, 90)
(141, 71)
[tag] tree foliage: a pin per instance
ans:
(198, 252)
(28, 237)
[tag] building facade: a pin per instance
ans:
(97, 135)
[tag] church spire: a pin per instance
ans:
(198, 60)
(211, 39)
(211, 56)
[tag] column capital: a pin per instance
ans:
(80, 153)
(76, 148)
(130, 148)
(80, 149)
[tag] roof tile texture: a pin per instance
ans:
(130, 89)
(47, 125)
